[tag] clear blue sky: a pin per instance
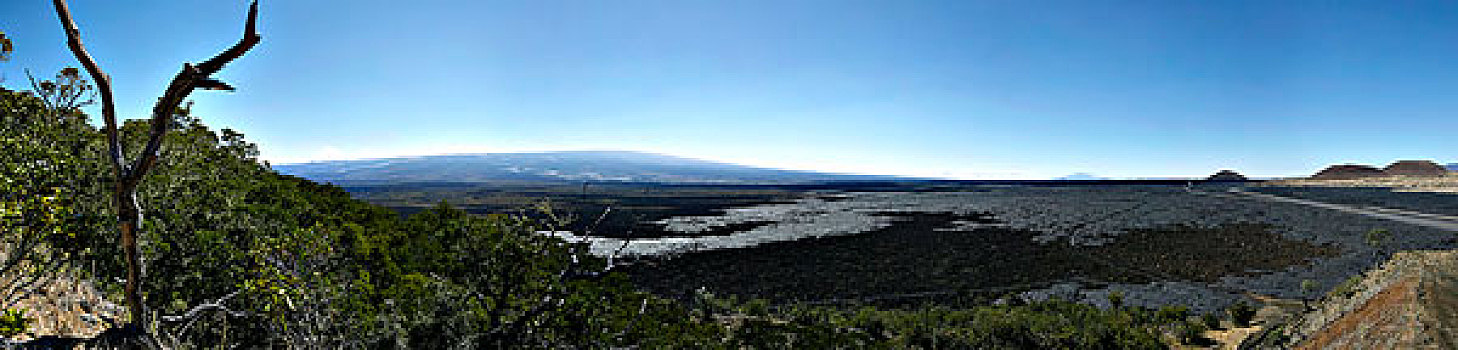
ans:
(960, 89)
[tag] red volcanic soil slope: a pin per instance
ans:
(1417, 308)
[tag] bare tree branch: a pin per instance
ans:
(250, 38)
(593, 229)
(642, 308)
(20, 252)
(189, 79)
(39, 90)
(22, 286)
(103, 84)
(192, 313)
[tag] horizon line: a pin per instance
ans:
(908, 177)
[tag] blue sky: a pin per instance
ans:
(958, 89)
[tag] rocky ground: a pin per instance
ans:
(1341, 229)
(1087, 217)
(1440, 203)
(65, 306)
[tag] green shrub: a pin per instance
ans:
(1241, 314)
(1172, 314)
(1116, 299)
(13, 323)
(757, 307)
(1347, 288)
(1192, 333)
(1211, 321)
(1378, 237)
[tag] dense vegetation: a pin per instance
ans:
(238, 255)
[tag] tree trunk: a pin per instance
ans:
(129, 216)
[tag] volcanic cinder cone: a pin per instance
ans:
(1347, 172)
(1415, 168)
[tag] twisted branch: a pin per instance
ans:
(103, 84)
(189, 79)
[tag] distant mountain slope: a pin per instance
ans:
(1081, 176)
(552, 166)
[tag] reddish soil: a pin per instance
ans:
(1385, 316)
(1417, 311)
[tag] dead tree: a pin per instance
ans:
(128, 175)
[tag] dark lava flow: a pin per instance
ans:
(911, 256)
